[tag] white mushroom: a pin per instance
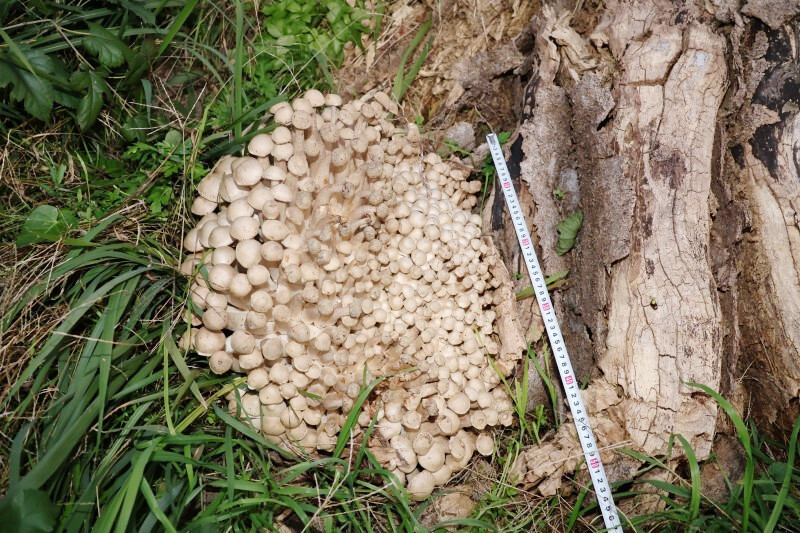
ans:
(338, 247)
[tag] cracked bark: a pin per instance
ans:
(678, 135)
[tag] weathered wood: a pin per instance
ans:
(676, 131)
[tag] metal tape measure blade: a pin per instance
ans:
(580, 415)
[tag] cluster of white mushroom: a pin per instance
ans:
(334, 254)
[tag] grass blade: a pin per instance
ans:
(694, 471)
(401, 81)
(745, 439)
(787, 481)
(150, 498)
(352, 417)
(176, 25)
(131, 491)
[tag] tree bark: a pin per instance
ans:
(675, 129)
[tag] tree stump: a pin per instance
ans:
(675, 129)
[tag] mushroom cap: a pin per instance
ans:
(221, 236)
(192, 241)
(272, 349)
(257, 274)
(242, 342)
(274, 230)
(271, 425)
(281, 135)
(420, 485)
(208, 187)
(260, 145)
(248, 253)
(243, 228)
(283, 114)
(274, 173)
(202, 206)
(247, 172)
(220, 362)
(215, 318)
(206, 342)
(433, 459)
(333, 100)
(484, 444)
(459, 403)
(257, 379)
(314, 97)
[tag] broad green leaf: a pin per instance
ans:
(45, 224)
(35, 93)
(568, 232)
(44, 64)
(137, 7)
(91, 103)
(110, 51)
(8, 72)
(139, 64)
(31, 74)
(28, 511)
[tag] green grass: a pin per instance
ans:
(765, 499)
(129, 434)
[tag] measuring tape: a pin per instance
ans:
(579, 413)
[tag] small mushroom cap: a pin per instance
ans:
(250, 360)
(221, 236)
(271, 425)
(423, 442)
(333, 100)
(404, 453)
(224, 255)
(272, 251)
(243, 228)
(248, 172)
(421, 485)
(302, 120)
(220, 362)
(272, 349)
(434, 458)
(192, 241)
(459, 403)
(283, 114)
(208, 187)
(248, 253)
(206, 342)
(282, 152)
(281, 135)
(260, 145)
(442, 476)
(484, 444)
(315, 98)
(258, 378)
(220, 277)
(242, 342)
(274, 230)
(261, 301)
(258, 275)
(274, 174)
(448, 422)
(215, 319)
(202, 206)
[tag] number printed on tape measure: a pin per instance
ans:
(576, 405)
